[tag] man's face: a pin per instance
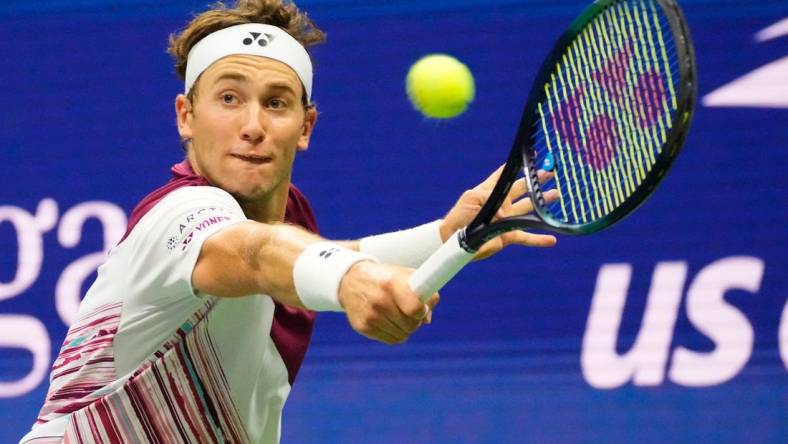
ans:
(245, 125)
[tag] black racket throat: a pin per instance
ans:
(472, 239)
(482, 228)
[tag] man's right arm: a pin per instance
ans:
(249, 258)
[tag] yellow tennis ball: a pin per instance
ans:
(440, 86)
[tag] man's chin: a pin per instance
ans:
(248, 193)
(245, 197)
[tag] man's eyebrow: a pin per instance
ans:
(274, 85)
(281, 86)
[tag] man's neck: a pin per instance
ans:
(269, 210)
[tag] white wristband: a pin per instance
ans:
(409, 248)
(318, 272)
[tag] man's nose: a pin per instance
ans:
(252, 130)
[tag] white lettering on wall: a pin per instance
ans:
(29, 232)
(68, 292)
(725, 325)
(27, 332)
(644, 363)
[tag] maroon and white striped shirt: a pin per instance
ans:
(150, 360)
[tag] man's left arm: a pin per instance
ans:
(412, 247)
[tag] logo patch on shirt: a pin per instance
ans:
(194, 223)
(200, 227)
(172, 242)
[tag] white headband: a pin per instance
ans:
(250, 39)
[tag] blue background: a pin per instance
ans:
(86, 114)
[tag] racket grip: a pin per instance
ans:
(440, 267)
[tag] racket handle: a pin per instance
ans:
(440, 267)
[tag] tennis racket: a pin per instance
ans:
(607, 115)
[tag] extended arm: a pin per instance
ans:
(253, 258)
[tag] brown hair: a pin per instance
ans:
(281, 13)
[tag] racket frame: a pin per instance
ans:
(523, 155)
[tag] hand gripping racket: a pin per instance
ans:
(607, 114)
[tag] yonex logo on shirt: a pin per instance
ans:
(196, 220)
(201, 226)
(256, 38)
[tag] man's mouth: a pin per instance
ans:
(253, 158)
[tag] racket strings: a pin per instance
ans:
(607, 110)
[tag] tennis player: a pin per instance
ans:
(200, 318)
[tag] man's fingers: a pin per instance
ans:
(399, 328)
(427, 319)
(412, 308)
(518, 189)
(408, 324)
(523, 206)
(384, 308)
(544, 176)
(376, 325)
(409, 311)
(552, 196)
(489, 183)
(384, 337)
(432, 302)
(515, 192)
(529, 239)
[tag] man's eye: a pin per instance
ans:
(228, 99)
(276, 103)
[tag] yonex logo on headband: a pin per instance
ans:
(256, 38)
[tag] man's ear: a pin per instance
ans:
(183, 112)
(310, 118)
